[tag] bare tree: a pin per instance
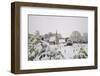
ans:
(85, 38)
(76, 37)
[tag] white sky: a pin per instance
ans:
(64, 25)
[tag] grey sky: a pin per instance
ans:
(63, 25)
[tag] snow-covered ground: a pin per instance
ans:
(44, 51)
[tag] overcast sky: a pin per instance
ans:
(63, 24)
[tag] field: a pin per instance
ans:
(42, 50)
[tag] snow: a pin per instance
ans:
(44, 51)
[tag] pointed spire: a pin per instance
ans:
(57, 40)
(56, 32)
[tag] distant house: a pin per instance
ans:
(62, 40)
(55, 38)
(52, 38)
